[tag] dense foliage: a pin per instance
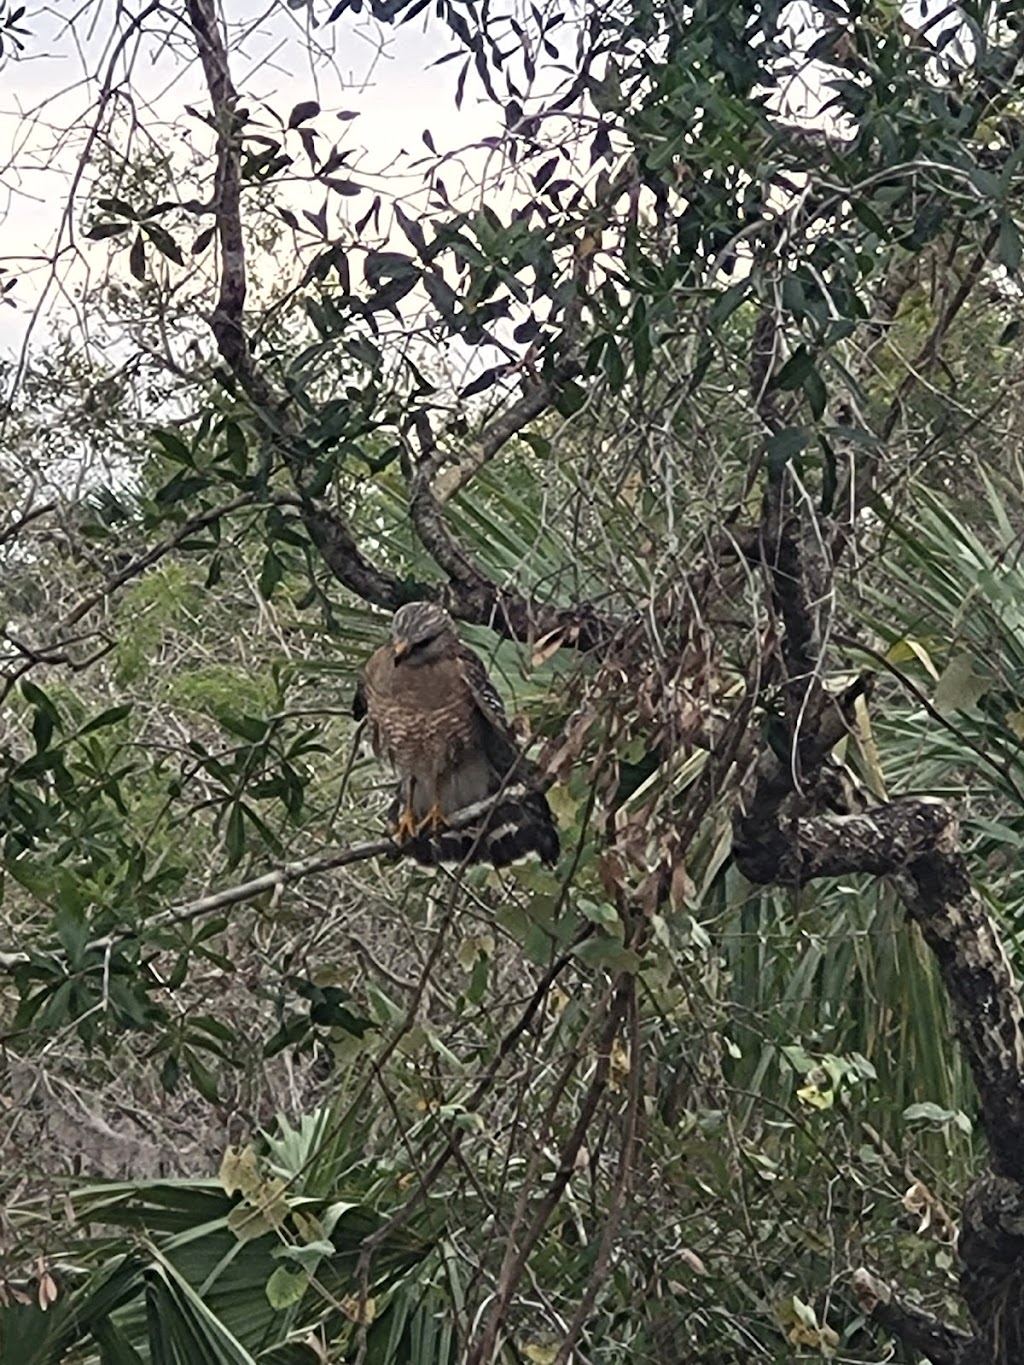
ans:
(692, 388)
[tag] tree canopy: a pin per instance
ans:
(689, 382)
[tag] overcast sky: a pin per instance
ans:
(48, 99)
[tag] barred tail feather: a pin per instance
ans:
(518, 825)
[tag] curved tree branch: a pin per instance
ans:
(916, 1329)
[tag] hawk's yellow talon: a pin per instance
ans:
(433, 821)
(406, 827)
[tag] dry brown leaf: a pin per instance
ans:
(547, 646)
(47, 1291)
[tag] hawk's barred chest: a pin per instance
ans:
(424, 716)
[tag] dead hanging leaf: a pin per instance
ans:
(800, 1323)
(691, 1259)
(263, 1205)
(815, 1096)
(611, 874)
(540, 1355)
(239, 1171)
(960, 687)
(522, 729)
(309, 1229)
(588, 244)
(1015, 720)
(918, 1202)
(633, 836)
(361, 1311)
(921, 1203)
(546, 646)
(618, 1065)
(906, 649)
(318, 1347)
(472, 948)
(650, 891)
(631, 488)
(865, 740)
(248, 1223)
(46, 1286)
(559, 755)
(869, 1291)
(558, 1002)
(681, 891)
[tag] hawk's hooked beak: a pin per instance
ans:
(401, 650)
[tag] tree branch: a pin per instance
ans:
(472, 595)
(983, 992)
(772, 849)
(916, 1329)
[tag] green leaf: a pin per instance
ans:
(234, 834)
(137, 257)
(172, 444)
(727, 303)
(796, 369)
(38, 698)
(607, 953)
(640, 334)
(571, 399)
(100, 231)
(290, 1033)
(285, 1288)
(236, 445)
(303, 112)
(181, 488)
(119, 206)
(814, 389)
(271, 573)
(164, 242)
(1009, 249)
(599, 912)
(540, 445)
(42, 731)
(202, 1077)
(960, 688)
(111, 716)
(250, 728)
(614, 366)
(73, 932)
(784, 446)
(930, 222)
(928, 1113)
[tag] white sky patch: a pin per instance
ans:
(52, 95)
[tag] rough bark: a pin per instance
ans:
(789, 828)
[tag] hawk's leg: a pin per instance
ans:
(406, 827)
(433, 822)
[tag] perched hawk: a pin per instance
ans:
(434, 714)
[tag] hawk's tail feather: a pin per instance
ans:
(519, 824)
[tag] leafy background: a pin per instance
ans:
(410, 1054)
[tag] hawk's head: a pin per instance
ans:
(420, 631)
